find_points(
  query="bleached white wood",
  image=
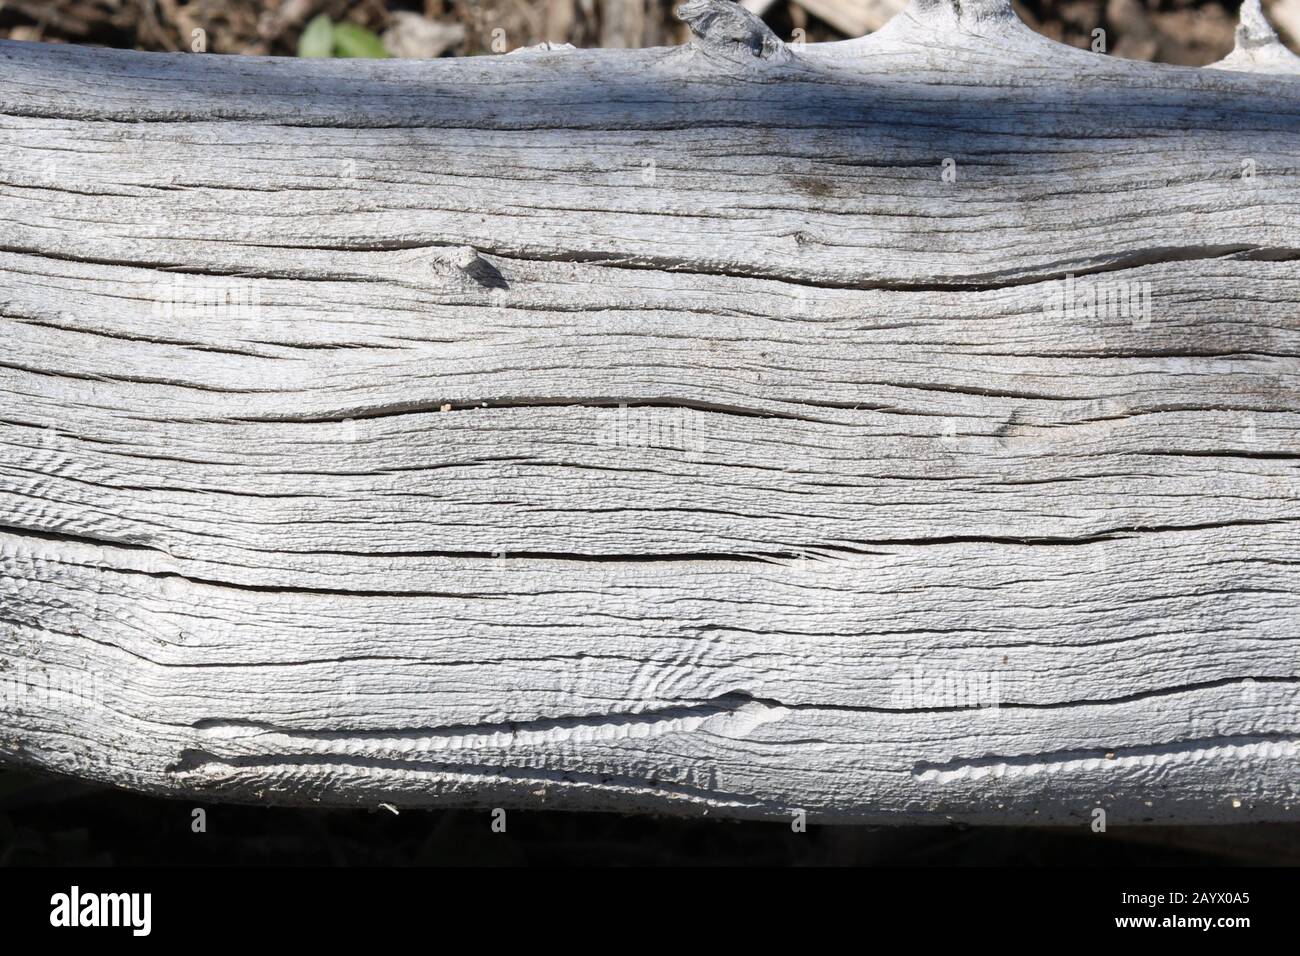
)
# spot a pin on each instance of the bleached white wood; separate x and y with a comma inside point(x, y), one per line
point(695, 429)
point(1258, 47)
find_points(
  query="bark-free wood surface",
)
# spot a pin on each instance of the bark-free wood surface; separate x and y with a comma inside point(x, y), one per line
point(716, 429)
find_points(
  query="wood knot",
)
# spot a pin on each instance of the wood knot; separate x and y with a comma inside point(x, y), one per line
point(467, 261)
point(722, 26)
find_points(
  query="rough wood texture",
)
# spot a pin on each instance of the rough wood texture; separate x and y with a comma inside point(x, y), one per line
point(715, 429)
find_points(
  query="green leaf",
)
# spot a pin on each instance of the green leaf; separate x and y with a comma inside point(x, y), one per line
point(352, 40)
point(318, 38)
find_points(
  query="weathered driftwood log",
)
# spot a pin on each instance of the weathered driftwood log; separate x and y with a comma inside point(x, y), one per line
point(898, 429)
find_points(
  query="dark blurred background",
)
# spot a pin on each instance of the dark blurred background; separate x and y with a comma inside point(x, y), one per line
point(1188, 32)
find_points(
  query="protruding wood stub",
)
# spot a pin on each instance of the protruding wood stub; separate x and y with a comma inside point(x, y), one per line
point(467, 261)
point(722, 26)
point(1254, 30)
point(967, 13)
point(1258, 49)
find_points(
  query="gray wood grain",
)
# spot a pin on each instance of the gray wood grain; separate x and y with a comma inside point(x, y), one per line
point(900, 430)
